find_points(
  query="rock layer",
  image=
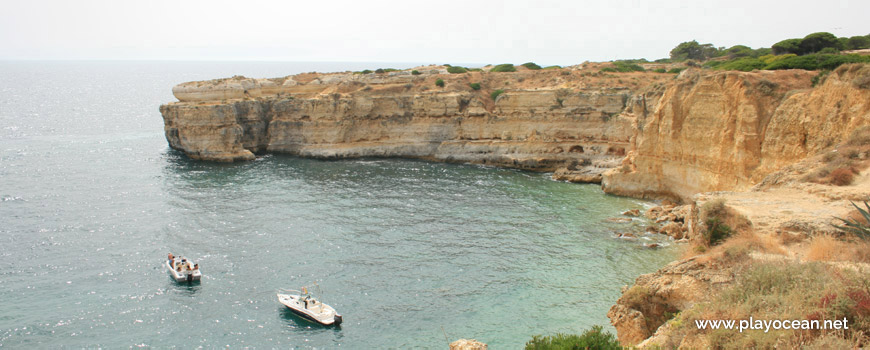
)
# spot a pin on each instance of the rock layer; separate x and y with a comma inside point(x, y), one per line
point(727, 131)
point(557, 124)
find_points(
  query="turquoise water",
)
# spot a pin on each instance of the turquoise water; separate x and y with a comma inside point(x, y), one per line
point(92, 200)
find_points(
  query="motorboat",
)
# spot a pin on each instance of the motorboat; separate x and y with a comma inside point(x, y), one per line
point(183, 269)
point(309, 308)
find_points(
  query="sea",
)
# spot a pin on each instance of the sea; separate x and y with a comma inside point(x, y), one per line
point(413, 254)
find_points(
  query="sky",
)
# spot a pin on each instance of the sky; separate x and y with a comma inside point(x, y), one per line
point(442, 31)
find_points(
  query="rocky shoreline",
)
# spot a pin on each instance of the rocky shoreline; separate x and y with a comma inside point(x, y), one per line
point(754, 141)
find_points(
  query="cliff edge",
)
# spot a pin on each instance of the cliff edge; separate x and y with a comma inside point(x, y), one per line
point(565, 120)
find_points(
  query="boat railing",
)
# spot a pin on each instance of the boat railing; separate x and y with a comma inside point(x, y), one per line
point(289, 291)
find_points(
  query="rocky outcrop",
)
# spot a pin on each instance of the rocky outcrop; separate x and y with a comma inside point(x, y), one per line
point(544, 121)
point(467, 344)
point(728, 130)
point(656, 297)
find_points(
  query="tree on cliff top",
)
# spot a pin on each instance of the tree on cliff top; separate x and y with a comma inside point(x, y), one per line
point(691, 50)
point(787, 46)
point(811, 43)
point(815, 42)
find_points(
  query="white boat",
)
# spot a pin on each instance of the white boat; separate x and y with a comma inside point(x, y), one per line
point(182, 270)
point(312, 309)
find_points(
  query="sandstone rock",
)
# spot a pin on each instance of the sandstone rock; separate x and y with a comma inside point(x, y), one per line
point(630, 324)
point(654, 213)
point(466, 344)
point(633, 212)
point(728, 130)
point(673, 229)
point(344, 115)
point(646, 305)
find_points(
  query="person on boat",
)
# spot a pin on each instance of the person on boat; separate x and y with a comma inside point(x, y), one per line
point(195, 267)
point(171, 257)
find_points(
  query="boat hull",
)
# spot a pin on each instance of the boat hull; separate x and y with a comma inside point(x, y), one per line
point(327, 318)
point(183, 276)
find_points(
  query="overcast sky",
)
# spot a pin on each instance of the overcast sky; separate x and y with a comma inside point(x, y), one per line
point(440, 31)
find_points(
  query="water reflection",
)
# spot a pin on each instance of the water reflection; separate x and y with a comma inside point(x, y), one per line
point(188, 289)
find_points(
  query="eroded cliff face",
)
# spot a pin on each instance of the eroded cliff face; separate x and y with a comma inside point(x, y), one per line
point(728, 130)
point(544, 120)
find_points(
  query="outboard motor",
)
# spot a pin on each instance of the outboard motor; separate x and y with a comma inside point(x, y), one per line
point(337, 319)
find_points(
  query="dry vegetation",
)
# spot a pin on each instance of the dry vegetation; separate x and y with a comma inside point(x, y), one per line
point(785, 291)
point(841, 165)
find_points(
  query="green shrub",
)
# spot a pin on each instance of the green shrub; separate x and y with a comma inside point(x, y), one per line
point(712, 214)
point(531, 65)
point(608, 70)
point(856, 227)
point(660, 70)
point(475, 70)
point(553, 67)
point(716, 231)
point(380, 71)
point(816, 62)
point(367, 71)
point(713, 64)
point(507, 67)
point(496, 93)
point(475, 86)
point(415, 72)
point(439, 82)
point(676, 70)
point(773, 58)
point(627, 66)
point(745, 64)
point(594, 338)
point(762, 52)
point(456, 70)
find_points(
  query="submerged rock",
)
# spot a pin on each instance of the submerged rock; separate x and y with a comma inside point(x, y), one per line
point(467, 344)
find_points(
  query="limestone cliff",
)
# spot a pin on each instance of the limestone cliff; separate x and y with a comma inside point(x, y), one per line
point(728, 130)
point(543, 121)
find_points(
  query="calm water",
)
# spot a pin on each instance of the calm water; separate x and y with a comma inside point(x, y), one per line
point(92, 200)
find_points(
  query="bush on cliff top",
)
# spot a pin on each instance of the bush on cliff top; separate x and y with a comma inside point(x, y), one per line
point(474, 86)
point(594, 338)
point(816, 62)
point(531, 65)
point(439, 82)
point(507, 67)
point(745, 64)
point(456, 70)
